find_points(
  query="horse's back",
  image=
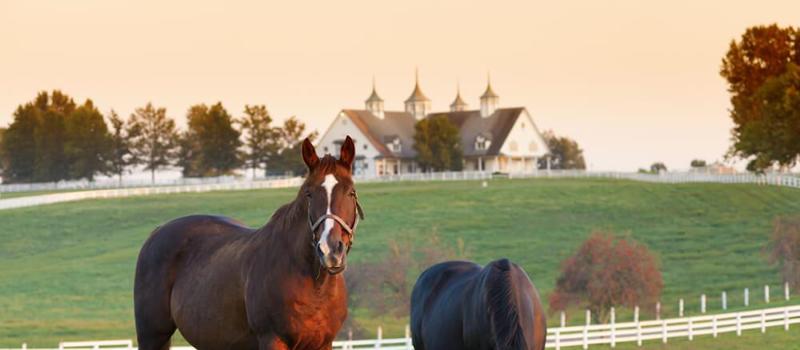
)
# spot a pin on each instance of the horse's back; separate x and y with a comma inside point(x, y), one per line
point(170, 250)
point(435, 303)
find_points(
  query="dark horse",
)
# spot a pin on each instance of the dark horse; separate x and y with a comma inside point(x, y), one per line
point(227, 286)
point(461, 305)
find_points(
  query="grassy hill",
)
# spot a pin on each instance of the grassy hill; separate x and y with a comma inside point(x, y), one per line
point(66, 270)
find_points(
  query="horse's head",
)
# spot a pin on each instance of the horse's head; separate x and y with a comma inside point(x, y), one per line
point(333, 209)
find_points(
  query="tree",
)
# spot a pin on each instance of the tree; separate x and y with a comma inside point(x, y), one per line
point(289, 158)
point(564, 153)
point(2, 156)
point(658, 167)
point(261, 139)
point(210, 145)
point(35, 139)
point(19, 146)
point(698, 163)
point(120, 155)
point(438, 144)
point(607, 271)
point(784, 248)
point(87, 142)
point(153, 138)
point(762, 53)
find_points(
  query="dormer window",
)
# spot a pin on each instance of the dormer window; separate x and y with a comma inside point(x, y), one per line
point(394, 145)
point(482, 143)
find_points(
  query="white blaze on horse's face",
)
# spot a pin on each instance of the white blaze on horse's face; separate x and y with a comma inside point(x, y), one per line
point(328, 184)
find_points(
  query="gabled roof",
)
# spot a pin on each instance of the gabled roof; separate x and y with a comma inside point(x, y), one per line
point(393, 125)
point(401, 125)
point(495, 127)
point(374, 96)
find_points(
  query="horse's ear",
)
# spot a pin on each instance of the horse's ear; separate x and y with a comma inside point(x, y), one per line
point(348, 152)
point(309, 154)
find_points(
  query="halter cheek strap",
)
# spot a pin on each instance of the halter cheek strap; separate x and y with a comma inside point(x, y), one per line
point(313, 225)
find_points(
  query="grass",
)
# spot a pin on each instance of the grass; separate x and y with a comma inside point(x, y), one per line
point(66, 270)
point(774, 338)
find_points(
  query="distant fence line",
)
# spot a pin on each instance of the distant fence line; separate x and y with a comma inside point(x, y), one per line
point(233, 184)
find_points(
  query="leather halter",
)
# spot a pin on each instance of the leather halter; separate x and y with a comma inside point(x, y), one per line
point(313, 225)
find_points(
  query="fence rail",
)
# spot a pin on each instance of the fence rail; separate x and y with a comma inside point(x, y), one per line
point(580, 336)
point(232, 184)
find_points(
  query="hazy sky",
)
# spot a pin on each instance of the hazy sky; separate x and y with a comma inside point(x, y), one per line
point(632, 81)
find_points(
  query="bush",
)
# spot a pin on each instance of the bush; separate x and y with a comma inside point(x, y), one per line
point(384, 287)
point(607, 271)
point(784, 248)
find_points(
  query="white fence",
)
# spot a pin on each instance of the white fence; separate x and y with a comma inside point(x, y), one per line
point(584, 336)
point(232, 184)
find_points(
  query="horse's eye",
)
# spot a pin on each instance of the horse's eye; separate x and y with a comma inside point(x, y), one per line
point(308, 194)
point(352, 193)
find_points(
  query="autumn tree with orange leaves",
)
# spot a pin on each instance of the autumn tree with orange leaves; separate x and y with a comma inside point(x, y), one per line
point(607, 271)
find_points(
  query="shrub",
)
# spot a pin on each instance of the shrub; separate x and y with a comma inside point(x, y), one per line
point(784, 248)
point(607, 271)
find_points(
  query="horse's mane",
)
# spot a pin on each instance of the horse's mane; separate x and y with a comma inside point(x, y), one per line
point(503, 312)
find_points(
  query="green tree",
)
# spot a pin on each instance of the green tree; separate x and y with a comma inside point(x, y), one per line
point(19, 146)
point(120, 156)
point(698, 163)
point(761, 54)
point(87, 142)
point(261, 139)
point(211, 143)
point(289, 158)
point(438, 144)
point(658, 167)
point(50, 136)
point(153, 138)
point(565, 153)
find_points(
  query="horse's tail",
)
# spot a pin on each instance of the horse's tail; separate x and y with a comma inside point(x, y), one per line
point(503, 312)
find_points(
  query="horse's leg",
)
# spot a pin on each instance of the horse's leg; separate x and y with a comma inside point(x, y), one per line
point(271, 342)
point(154, 323)
point(154, 328)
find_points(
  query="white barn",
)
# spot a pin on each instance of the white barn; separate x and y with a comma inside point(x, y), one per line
point(494, 139)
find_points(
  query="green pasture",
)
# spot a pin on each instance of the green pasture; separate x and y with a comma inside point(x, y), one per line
point(66, 270)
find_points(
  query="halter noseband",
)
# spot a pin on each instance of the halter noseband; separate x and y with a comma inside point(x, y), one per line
point(313, 225)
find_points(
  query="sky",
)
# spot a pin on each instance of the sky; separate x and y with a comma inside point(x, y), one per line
point(633, 82)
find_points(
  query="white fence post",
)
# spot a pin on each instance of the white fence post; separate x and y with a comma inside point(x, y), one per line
point(613, 328)
point(409, 346)
point(703, 304)
point(380, 337)
point(746, 297)
point(664, 331)
point(586, 329)
point(766, 293)
point(638, 326)
point(563, 319)
point(763, 321)
point(738, 324)
point(714, 325)
point(680, 307)
point(691, 334)
point(724, 300)
point(658, 310)
point(786, 291)
point(786, 319)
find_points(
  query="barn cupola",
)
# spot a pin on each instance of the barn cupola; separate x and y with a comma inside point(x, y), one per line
point(417, 104)
point(374, 103)
point(489, 100)
point(458, 104)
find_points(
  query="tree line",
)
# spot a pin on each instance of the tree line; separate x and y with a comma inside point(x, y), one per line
point(51, 138)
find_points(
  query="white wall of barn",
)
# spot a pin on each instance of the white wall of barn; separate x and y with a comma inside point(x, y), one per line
point(341, 127)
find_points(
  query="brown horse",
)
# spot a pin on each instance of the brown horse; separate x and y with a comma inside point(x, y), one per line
point(227, 286)
point(461, 305)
